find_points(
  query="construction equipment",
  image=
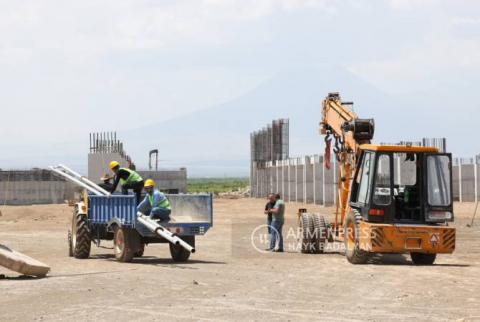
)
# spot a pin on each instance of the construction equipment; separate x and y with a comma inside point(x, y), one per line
point(99, 215)
point(391, 198)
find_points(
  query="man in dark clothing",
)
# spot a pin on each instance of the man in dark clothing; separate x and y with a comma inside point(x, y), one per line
point(128, 179)
point(268, 207)
point(106, 182)
point(278, 219)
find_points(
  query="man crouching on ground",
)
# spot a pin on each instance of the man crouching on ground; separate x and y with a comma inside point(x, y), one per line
point(156, 204)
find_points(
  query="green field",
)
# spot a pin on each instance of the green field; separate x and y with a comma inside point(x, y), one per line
point(216, 185)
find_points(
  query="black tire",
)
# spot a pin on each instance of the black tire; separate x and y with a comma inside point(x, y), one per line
point(423, 259)
point(354, 254)
point(180, 254)
point(319, 233)
point(126, 242)
point(69, 240)
point(307, 242)
point(139, 253)
point(81, 239)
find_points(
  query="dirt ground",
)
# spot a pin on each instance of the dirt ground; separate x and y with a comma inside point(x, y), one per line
point(228, 279)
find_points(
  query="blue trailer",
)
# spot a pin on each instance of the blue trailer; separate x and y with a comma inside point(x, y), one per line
point(100, 216)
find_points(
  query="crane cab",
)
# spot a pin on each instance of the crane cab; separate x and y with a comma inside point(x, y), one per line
point(402, 201)
point(403, 185)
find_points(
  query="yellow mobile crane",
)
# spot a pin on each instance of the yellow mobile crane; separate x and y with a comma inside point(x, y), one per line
point(391, 198)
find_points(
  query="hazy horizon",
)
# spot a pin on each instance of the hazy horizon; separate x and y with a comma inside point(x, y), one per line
point(70, 68)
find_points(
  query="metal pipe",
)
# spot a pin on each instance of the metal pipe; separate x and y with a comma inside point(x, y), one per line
point(163, 232)
point(75, 180)
point(85, 180)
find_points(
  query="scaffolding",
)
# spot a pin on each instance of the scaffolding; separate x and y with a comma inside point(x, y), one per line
point(271, 143)
point(107, 142)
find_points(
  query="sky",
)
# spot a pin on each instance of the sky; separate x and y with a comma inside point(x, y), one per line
point(71, 67)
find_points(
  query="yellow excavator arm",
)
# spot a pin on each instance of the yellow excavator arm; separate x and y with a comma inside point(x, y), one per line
point(340, 123)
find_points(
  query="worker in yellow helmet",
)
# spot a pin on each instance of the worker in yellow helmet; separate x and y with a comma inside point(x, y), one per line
point(156, 204)
point(128, 179)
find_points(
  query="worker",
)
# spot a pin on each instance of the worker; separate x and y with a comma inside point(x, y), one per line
point(278, 213)
point(268, 207)
point(106, 182)
point(128, 179)
point(156, 204)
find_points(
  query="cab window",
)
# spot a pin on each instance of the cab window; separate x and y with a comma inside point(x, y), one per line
point(438, 173)
point(363, 178)
point(382, 192)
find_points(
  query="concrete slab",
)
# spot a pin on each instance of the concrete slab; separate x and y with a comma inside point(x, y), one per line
point(21, 263)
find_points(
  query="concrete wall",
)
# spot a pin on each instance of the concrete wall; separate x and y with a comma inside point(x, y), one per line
point(297, 179)
point(307, 180)
point(466, 182)
point(33, 187)
point(174, 181)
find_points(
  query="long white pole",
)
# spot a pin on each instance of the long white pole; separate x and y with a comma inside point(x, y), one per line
point(314, 174)
point(460, 190)
point(323, 181)
point(475, 172)
point(75, 180)
point(85, 179)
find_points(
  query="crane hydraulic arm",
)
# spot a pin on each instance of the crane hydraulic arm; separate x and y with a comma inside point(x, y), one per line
point(340, 122)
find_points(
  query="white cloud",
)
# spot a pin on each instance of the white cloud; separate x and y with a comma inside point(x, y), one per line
point(411, 4)
point(422, 68)
point(104, 25)
point(460, 21)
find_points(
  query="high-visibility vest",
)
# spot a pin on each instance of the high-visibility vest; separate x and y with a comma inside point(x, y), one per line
point(132, 178)
point(165, 203)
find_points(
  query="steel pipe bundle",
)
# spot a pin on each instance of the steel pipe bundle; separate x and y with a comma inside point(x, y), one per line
point(77, 178)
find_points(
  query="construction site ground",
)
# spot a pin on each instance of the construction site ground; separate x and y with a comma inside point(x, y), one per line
point(228, 279)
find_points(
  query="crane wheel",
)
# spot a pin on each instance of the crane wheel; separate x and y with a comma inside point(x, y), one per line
point(307, 230)
point(354, 254)
point(180, 254)
point(319, 234)
point(126, 242)
point(80, 240)
point(423, 259)
point(139, 253)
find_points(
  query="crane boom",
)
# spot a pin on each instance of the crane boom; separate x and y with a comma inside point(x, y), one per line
point(340, 122)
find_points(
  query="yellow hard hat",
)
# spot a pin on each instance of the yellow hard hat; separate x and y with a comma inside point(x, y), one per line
point(149, 183)
point(114, 164)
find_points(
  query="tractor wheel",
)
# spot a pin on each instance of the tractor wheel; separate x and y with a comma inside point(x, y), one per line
point(320, 233)
point(354, 254)
point(180, 254)
point(423, 259)
point(69, 240)
point(139, 253)
point(307, 242)
point(126, 242)
point(81, 240)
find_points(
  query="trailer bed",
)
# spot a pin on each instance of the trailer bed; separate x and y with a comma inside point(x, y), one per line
point(192, 214)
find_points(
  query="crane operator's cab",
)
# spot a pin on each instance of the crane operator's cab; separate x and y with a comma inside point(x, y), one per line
point(402, 201)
